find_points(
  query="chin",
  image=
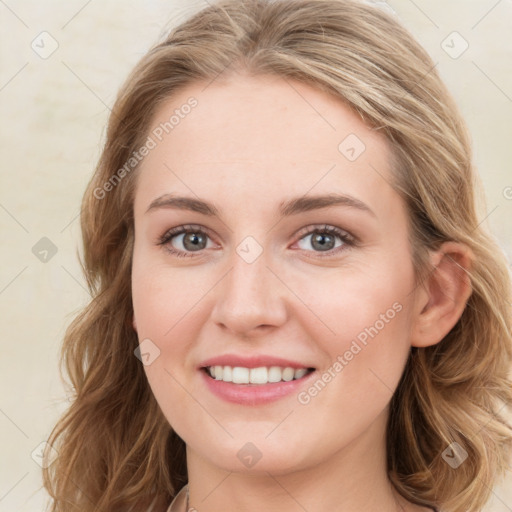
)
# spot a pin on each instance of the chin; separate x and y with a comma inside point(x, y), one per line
point(257, 458)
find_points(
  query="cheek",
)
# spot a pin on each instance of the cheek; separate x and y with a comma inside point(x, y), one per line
point(365, 359)
point(353, 303)
point(164, 299)
point(163, 303)
point(362, 322)
point(168, 308)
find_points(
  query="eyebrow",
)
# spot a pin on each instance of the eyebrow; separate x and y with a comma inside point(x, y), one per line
point(287, 208)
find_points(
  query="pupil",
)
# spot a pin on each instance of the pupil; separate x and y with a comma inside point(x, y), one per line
point(320, 239)
point(194, 239)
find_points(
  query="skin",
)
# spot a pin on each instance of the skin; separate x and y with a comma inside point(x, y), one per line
point(251, 143)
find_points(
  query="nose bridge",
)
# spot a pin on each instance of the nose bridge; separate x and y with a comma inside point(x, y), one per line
point(249, 295)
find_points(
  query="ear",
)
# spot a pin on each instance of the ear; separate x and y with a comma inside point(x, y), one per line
point(443, 295)
point(134, 323)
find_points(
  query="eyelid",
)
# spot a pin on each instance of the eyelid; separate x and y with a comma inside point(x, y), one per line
point(347, 238)
point(308, 230)
point(181, 229)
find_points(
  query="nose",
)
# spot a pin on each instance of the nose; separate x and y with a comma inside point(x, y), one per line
point(250, 298)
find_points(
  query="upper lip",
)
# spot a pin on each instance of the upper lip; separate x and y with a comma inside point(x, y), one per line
point(255, 361)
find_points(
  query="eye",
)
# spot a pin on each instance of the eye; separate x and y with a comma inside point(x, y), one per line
point(194, 239)
point(191, 238)
point(323, 240)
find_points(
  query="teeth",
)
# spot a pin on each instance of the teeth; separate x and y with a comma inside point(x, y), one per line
point(258, 376)
point(227, 374)
point(274, 374)
point(240, 375)
point(261, 375)
point(300, 373)
point(288, 374)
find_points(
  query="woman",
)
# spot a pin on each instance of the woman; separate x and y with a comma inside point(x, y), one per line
point(294, 305)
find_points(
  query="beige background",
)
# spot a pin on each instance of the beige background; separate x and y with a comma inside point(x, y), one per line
point(53, 113)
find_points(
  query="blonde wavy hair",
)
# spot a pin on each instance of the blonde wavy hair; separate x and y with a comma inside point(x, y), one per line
point(116, 449)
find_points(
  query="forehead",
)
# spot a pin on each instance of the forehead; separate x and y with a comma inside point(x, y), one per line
point(264, 136)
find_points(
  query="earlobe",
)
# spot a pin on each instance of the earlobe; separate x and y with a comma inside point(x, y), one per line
point(444, 294)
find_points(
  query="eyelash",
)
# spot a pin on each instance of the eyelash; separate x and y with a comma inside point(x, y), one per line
point(347, 239)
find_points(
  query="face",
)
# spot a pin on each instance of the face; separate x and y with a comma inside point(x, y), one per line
point(250, 269)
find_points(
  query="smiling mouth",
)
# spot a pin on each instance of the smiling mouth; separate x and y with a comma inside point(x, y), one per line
point(256, 376)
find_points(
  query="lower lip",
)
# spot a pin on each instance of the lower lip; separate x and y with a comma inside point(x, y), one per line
point(253, 394)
